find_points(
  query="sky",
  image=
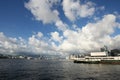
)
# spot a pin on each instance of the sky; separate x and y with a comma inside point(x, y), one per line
point(58, 27)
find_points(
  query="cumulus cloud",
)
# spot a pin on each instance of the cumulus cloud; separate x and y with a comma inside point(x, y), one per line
point(66, 39)
point(42, 11)
point(106, 26)
point(92, 36)
point(102, 8)
point(36, 44)
point(73, 9)
point(10, 45)
point(41, 45)
point(45, 11)
point(61, 26)
point(56, 37)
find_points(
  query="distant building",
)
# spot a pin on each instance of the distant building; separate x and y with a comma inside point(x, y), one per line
point(29, 58)
point(21, 57)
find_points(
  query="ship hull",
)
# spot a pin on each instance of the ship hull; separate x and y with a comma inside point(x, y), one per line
point(110, 62)
point(99, 62)
point(87, 62)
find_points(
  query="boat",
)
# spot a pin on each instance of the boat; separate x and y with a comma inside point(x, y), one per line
point(102, 57)
point(98, 60)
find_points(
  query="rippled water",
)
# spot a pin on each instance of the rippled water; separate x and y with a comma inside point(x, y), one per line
point(14, 69)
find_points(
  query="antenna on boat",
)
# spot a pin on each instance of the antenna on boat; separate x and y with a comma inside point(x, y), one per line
point(106, 50)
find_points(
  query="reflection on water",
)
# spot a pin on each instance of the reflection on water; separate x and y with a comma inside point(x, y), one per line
point(14, 69)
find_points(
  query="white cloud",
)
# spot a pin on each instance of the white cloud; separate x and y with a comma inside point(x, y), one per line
point(42, 11)
point(36, 44)
point(10, 45)
point(115, 42)
point(91, 37)
point(40, 34)
point(40, 45)
point(61, 26)
point(73, 9)
point(88, 38)
point(56, 37)
point(102, 8)
point(45, 11)
point(102, 27)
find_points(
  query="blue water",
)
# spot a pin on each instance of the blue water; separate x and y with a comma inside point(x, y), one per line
point(15, 69)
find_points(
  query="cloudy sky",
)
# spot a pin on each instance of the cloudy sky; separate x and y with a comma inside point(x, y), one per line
point(58, 27)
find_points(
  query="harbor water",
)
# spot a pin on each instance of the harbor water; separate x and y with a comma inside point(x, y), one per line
point(16, 69)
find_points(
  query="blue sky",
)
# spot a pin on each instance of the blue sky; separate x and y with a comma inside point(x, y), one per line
point(57, 21)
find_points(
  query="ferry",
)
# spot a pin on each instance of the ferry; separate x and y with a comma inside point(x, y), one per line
point(98, 60)
point(102, 57)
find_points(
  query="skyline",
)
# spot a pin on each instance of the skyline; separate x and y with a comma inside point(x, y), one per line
point(58, 27)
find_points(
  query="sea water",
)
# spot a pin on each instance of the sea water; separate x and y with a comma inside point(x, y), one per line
point(20, 69)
